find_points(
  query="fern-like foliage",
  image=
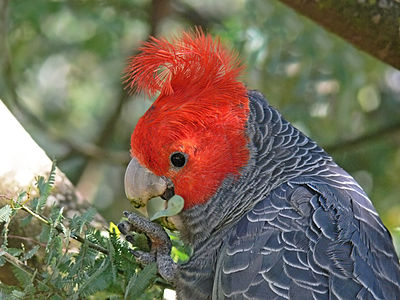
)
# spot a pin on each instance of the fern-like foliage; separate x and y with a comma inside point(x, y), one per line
point(45, 187)
point(80, 262)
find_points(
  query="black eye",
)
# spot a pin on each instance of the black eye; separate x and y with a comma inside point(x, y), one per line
point(178, 159)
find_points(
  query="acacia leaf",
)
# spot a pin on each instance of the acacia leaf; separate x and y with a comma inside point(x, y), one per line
point(156, 207)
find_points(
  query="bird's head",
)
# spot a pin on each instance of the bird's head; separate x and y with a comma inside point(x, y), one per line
point(194, 134)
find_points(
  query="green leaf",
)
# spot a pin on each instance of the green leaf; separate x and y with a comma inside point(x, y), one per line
point(45, 187)
point(2, 261)
point(56, 215)
point(26, 220)
point(23, 277)
point(14, 251)
point(29, 289)
point(30, 253)
point(53, 249)
point(6, 290)
point(138, 283)
point(18, 294)
point(156, 207)
point(5, 213)
point(21, 197)
point(78, 223)
point(89, 215)
point(178, 255)
point(44, 234)
point(111, 254)
point(54, 242)
point(44, 193)
point(98, 280)
point(141, 241)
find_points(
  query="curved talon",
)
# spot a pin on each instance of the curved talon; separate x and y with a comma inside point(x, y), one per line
point(130, 238)
point(124, 227)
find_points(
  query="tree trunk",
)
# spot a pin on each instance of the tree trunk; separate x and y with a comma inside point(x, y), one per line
point(371, 25)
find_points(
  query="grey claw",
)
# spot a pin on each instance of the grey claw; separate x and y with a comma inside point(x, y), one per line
point(124, 227)
point(130, 239)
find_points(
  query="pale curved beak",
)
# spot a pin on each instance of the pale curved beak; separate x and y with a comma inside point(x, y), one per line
point(141, 184)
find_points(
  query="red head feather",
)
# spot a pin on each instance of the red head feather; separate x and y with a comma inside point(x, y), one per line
point(202, 111)
point(165, 67)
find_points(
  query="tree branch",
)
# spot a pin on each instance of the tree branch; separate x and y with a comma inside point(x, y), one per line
point(19, 264)
point(194, 17)
point(372, 26)
point(363, 139)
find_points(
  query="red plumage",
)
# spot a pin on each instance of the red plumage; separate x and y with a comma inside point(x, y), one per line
point(194, 59)
point(201, 110)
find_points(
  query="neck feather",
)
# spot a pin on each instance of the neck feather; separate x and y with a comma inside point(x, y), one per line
point(278, 153)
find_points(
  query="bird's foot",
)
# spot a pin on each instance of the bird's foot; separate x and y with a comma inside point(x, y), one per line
point(160, 244)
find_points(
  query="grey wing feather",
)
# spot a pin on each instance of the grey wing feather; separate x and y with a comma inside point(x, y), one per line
point(308, 241)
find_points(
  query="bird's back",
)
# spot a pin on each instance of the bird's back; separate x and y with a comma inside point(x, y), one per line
point(313, 236)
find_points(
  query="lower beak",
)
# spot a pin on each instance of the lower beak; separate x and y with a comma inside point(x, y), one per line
point(141, 184)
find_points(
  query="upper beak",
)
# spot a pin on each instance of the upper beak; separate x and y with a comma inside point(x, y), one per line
point(141, 184)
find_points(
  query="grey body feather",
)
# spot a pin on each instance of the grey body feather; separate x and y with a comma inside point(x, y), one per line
point(293, 226)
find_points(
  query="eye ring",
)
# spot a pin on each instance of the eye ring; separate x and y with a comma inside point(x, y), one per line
point(178, 159)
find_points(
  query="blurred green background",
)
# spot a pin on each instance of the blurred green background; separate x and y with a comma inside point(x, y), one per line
point(62, 61)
